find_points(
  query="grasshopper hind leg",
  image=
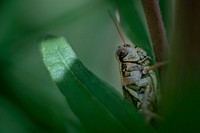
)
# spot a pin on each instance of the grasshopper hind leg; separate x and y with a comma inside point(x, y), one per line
point(129, 97)
point(147, 107)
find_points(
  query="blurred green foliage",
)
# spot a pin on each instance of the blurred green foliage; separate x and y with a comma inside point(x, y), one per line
point(31, 102)
point(24, 80)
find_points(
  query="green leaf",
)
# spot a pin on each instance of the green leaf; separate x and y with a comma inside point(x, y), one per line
point(13, 119)
point(167, 11)
point(37, 95)
point(134, 24)
point(97, 105)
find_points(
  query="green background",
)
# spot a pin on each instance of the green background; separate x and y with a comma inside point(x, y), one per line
point(31, 102)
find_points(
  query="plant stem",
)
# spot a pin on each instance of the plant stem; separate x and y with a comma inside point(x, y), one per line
point(156, 29)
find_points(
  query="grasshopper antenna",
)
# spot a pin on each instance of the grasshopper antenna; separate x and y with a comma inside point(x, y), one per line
point(118, 28)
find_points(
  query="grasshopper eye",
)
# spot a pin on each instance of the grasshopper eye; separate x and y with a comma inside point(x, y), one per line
point(121, 52)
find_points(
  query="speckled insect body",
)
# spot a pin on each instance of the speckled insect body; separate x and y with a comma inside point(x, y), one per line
point(139, 82)
point(139, 85)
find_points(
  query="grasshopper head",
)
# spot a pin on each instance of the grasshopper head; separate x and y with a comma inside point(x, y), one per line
point(127, 53)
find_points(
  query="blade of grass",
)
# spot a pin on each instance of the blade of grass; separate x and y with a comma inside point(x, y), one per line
point(167, 13)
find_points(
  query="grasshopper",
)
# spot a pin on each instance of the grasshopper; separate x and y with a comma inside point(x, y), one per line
point(139, 85)
point(138, 79)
